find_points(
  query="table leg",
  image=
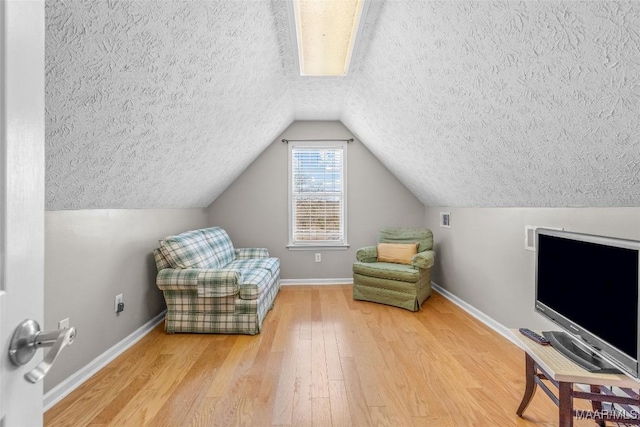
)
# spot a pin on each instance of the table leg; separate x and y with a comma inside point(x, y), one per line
point(565, 404)
point(530, 385)
point(597, 405)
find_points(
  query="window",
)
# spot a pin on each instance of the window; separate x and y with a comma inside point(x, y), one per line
point(317, 202)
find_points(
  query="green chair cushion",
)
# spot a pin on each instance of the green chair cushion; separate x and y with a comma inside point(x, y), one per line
point(424, 236)
point(387, 270)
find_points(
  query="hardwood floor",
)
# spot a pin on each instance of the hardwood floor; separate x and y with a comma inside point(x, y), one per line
point(322, 360)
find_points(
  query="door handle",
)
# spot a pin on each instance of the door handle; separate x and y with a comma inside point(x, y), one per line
point(27, 339)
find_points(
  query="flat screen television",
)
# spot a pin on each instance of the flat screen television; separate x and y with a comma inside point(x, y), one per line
point(588, 285)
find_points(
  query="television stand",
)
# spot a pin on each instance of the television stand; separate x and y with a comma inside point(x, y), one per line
point(546, 367)
point(579, 353)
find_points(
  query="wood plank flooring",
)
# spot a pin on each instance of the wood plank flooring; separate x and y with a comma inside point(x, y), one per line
point(321, 360)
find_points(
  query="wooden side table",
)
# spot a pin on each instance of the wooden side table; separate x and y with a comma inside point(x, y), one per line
point(545, 363)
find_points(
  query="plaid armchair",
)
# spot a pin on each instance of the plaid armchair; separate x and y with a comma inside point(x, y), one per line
point(211, 287)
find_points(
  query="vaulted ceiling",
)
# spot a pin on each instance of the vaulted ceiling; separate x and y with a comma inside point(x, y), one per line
point(162, 104)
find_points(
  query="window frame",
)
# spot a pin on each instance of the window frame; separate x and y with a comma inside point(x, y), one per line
point(317, 244)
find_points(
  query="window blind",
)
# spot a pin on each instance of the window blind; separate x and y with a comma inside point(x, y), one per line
point(317, 195)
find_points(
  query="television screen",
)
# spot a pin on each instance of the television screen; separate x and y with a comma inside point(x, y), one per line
point(592, 285)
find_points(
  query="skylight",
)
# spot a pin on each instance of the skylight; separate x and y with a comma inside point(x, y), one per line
point(326, 33)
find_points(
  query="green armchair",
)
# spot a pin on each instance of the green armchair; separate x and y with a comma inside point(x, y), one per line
point(402, 285)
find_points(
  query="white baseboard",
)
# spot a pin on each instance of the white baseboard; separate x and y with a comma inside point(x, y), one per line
point(74, 381)
point(487, 320)
point(347, 281)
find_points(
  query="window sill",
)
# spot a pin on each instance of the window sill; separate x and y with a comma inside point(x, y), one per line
point(318, 247)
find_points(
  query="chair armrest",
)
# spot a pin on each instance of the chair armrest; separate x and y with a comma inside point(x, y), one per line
point(171, 279)
point(423, 259)
point(219, 282)
point(207, 282)
point(249, 253)
point(367, 254)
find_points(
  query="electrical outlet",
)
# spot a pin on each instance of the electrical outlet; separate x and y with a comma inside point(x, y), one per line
point(318, 257)
point(63, 324)
point(118, 301)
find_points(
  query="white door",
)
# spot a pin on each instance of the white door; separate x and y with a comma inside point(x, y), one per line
point(21, 199)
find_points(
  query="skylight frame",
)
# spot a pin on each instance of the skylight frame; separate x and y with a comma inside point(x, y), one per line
point(296, 38)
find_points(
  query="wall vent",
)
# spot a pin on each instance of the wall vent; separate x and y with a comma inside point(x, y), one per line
point(445, 219)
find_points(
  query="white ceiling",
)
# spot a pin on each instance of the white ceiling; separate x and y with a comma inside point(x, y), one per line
point(161, 104)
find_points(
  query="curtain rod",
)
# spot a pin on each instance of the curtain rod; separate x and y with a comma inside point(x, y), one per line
point(286, 141)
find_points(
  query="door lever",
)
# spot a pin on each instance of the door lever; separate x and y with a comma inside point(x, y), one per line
point(27, 339)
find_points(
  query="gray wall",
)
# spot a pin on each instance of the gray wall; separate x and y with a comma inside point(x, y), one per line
point(90, 257)
point(254, 209)
point(482, 260)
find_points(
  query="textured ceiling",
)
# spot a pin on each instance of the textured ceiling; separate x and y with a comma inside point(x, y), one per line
point(158, 104)
point(505, 103)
